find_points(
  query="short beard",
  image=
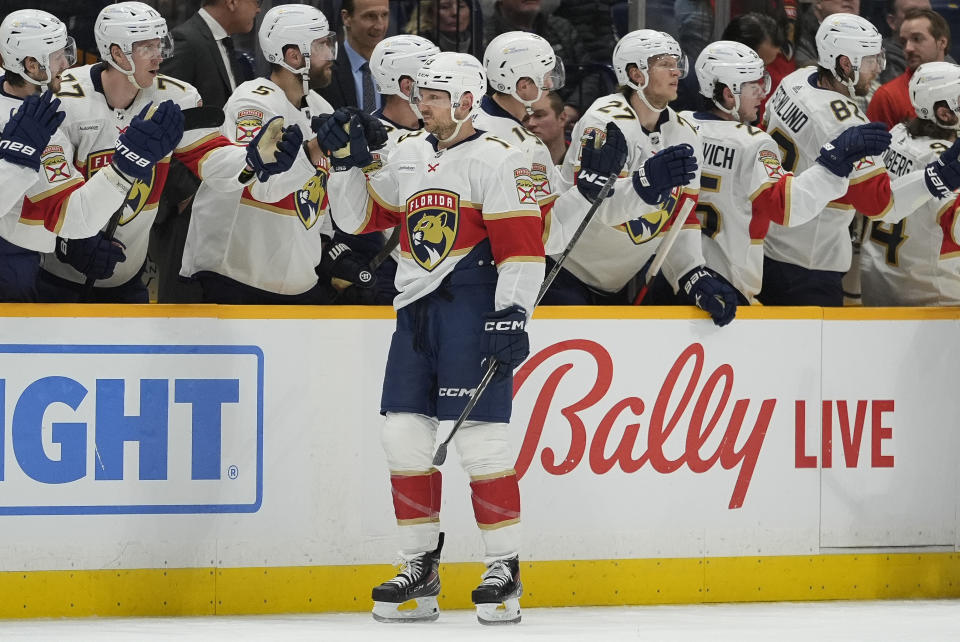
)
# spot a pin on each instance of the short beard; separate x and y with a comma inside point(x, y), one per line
point(321, 78)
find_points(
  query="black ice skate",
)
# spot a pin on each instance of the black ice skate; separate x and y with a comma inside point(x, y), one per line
point(498, 596)
point(418, 581)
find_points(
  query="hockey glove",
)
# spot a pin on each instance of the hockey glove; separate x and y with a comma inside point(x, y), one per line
point(853, 144)
point(274, 149)
point(151, 135)
point(505, 339)
point(340, 262)
point(356, 153)
point(673, 167)
point(29, 129)
point(373, 129)
point(598, 163)
point(95, 257)
point(330, 131)
point(703, 288)
point(942, 176)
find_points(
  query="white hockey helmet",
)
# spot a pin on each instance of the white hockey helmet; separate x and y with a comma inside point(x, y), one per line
point(455, 73)
point(297, 25)
point(732, 64)
point(931, 83)
point(517, 54)
point(396, 57)
point(844, 34)
point(30, 33)
point(126, 23)
point(637, 48)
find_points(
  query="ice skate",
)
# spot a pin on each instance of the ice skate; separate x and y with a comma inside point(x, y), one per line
point(411, 596)
point(498, 596)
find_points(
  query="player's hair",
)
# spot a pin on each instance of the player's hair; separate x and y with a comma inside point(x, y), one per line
point(938, 26)
point(922, 127)
point(823, 72)
point(556, 102)
point(15, 79)
point(752, 29)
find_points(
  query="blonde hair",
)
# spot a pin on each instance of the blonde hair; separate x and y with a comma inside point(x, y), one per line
point(428, 11)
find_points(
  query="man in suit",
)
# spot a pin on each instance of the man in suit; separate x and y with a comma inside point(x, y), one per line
point(204, 56)
point(365, 24)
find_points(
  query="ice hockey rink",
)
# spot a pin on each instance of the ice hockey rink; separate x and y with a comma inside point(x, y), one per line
point(914, 621)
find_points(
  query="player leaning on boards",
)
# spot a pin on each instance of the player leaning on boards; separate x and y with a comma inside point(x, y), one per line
point(54, 199)
point(520, 67)
point(471, 264)
point(232, 242)
point(916, 260)
point(662, 172)
point(805, 264)
point(743, 186)
point(104, 98)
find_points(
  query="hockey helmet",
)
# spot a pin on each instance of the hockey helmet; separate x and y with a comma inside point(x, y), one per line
point(35, 34)
point(454, 73)
point(126, 23)
point(301, 26)
point(396, 57)
point(734, 65)
point(517, 54)
point(638, 47)
point(844, 34)
point(931, 83)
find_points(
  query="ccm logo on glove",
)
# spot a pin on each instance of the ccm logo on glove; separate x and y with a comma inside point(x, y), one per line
point(503, 326)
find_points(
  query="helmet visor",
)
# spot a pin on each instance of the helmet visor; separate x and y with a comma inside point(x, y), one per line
point(433, 97)
point(158, 47)
point(555, 78)
point(324, 48)
point(63, 58)
point(670, 62)
point(759, 88)
point(878, 59)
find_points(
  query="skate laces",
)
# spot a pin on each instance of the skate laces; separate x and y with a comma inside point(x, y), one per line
point(497, 574)
point(410, 569)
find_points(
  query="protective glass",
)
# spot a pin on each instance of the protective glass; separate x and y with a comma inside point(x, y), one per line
point(158, 47)
point(554, 78)
point(759, 88)
point(671, 63)
point(63, 58)
point(324, 48)
point(879, 59)
point(439, 100)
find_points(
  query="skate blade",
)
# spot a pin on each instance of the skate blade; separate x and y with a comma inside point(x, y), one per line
point(421, 609)
point(507, 612)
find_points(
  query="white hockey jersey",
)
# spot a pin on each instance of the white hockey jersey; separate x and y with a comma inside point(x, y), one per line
point(627, 231)
point(448, 201)
point(913, 260)
point(39, 206)
point(743, 189)
point(801, 117)
point(562, 208)
point(92, 126)
point(266, 235)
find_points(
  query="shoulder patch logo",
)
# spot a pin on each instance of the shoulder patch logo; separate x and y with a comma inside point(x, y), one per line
point(249, 122)
point(771, 163)
point(541, 179)
point(526, 189)
point(433, 220)
point(55, 164)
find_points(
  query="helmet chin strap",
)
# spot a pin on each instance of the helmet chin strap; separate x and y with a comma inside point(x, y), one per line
point(456, 130)
point(643, 97)
point(735, 112)
point(851, 85)
point(528, 104)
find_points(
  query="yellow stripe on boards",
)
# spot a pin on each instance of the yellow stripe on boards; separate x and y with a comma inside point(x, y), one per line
point(316, 589)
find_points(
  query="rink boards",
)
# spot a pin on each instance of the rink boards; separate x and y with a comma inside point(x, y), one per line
point(202, 459)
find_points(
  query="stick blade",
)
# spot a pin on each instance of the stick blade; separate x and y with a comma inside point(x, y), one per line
point(440, 456)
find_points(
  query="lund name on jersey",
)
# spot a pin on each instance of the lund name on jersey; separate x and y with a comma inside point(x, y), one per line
point(791, 115)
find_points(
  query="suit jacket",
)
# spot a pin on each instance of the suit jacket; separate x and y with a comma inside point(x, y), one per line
point(197, 60)
point(342, 91)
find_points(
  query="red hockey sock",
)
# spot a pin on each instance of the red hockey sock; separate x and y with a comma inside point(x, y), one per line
point(496, 500)
point(416, 496)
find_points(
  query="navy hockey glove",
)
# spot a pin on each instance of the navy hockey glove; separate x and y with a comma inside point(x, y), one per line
point(340, 262)
point(673, 167)
point(505, 339)
point(356, 153)
point(274, 151)
point(853, 144)
point(597, 164)
point(373, 130)
point(95, 257)
point(147, 139)
point(942, 176)
point(330, 132)
point(29, 129)
point(704, 289)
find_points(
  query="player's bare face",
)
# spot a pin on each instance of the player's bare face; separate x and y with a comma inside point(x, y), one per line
point(664, 80)
point(51, 76)
point(434, 106)
point(147, 56)
point(751, 95)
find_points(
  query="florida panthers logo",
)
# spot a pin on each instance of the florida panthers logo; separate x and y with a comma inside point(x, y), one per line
point(249, 122)
point(433, 218)
point(137, 197)
point(311, 199)
point(55, 164)
point(649, 226)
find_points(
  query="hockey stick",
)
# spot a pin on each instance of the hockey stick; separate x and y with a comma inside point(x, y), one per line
point(441, 455)
point(202, 117)
point(342, 284)
point(661, 255)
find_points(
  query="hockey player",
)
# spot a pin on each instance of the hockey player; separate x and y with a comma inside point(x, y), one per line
point(520, 67)
point(916, 260)
point(55, 199)
point(470, 266)
point(101, 100)
point(232, 241)
point(805, 264)
point(743, 186)
point(393, 64)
